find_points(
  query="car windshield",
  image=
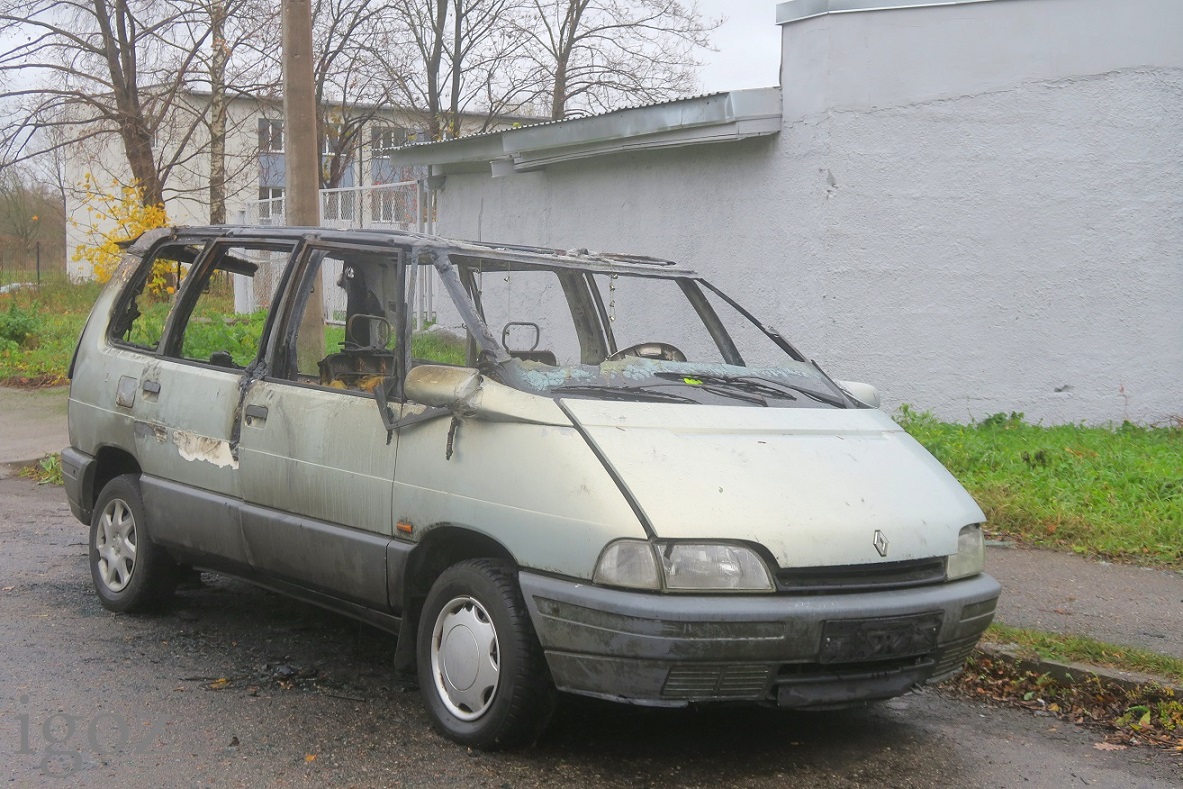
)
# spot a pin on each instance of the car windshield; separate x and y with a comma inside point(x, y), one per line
point(625, 332)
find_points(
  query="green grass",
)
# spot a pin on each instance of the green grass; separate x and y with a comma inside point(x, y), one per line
point(213, 329)
point(438, 348)
point(47, 471)
point(48, 321)
point(1116, 493)
point(1080, 649)
point(39, 329)
point(425, 346)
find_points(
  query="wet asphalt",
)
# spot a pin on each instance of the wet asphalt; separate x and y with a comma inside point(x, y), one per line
point(237, 687)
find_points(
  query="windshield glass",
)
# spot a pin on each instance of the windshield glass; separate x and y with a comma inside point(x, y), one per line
point(623, 334)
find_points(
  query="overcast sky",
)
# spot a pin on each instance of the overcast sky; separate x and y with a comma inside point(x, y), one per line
point(748, 44)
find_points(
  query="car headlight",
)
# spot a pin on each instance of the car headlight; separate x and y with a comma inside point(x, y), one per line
point(683, 567)
point(971, 554)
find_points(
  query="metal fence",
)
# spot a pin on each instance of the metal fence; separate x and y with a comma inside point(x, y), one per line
point(406, 206)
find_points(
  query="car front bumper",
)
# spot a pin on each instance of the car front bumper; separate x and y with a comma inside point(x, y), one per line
point(671, 650)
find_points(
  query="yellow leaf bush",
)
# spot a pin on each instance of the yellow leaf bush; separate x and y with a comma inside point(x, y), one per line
point(116, 213)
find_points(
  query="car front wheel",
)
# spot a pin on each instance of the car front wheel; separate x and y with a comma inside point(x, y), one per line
point(481, 670)
point(130, 573)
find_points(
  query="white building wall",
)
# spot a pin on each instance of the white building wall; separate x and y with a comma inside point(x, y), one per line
point(977, 207)
point(186, 191)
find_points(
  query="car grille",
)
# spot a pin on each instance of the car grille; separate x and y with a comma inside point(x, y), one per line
point(717, 681)
point(861, 577)
point(952, 657)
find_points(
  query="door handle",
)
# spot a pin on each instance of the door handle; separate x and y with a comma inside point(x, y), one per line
point(254, 412)
point(151, 387)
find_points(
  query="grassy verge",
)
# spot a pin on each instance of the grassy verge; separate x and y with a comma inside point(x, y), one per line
point(1079, 649)
point(1110, 492)
point(39, 328)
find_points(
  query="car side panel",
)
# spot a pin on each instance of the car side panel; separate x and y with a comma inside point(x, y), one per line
point(536, 489)
point(317, 476)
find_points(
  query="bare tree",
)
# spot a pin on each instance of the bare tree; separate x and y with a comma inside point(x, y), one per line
point(469, 60)
point(31, 215)
point(592, 55)
point(357, 62)
point(242, 60)
point(107, 67)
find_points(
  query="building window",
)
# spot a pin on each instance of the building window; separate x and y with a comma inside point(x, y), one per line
point(331, 144)
point(271, 202)
point(385, 139)
point(270, 136)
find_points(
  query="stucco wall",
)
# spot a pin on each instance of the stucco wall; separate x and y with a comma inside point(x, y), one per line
point(978, 207)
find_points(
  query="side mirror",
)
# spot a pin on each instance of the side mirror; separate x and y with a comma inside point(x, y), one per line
point(439, 386)
point(864, 393)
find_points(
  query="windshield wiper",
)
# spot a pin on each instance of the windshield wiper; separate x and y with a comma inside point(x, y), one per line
point(622, 393)
point(754, 385)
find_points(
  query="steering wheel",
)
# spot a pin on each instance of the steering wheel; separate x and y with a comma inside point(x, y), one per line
point(649, 350)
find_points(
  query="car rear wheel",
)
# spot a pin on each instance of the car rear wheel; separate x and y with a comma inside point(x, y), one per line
point(481, 671)
point(130, 572)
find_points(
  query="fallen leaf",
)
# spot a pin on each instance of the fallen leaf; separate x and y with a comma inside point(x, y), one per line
point(311, 757)
point(219, 683)
point(1108, 746)
point(7, 588)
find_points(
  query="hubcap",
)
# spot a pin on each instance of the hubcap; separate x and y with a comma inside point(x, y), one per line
point(465, 660)
point(115, 543)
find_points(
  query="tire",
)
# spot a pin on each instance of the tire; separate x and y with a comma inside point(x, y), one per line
point(130, 572)
point(475, 632)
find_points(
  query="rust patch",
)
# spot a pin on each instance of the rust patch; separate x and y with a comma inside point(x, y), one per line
point(149, 430)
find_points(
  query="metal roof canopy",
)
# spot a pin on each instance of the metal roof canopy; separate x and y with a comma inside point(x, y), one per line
point(798, 10)
point(717, 117)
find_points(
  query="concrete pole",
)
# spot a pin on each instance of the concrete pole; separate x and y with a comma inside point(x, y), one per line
point(302, 163)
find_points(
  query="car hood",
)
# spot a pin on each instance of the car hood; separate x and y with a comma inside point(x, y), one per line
point(810, 484)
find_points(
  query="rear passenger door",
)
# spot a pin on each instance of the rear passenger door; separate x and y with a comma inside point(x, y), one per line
point(184, 397)
point(317, 467)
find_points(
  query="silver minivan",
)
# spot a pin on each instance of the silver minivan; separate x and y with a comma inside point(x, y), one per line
point(542, 470)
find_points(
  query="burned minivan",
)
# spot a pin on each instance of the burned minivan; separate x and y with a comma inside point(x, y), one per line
point(579, 472)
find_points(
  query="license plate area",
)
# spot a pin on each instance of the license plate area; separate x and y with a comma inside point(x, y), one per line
point(881, 638)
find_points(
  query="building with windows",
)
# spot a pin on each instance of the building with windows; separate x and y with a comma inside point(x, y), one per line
point(356, 158)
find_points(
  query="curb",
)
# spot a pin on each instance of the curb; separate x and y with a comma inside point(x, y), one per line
point(1068, 673)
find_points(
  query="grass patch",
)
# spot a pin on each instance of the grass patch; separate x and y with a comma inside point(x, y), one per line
point(1110, 492)
point(425, 346)
point(439, 347)
point(39, 328)
point(1080, 649)
point(47, 471)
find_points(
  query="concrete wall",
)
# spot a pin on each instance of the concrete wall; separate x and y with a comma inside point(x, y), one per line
point(977, 207)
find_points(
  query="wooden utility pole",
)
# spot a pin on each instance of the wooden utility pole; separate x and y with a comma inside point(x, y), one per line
point(302, 162)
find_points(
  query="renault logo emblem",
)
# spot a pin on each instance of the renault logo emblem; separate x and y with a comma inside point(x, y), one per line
point(880, 543)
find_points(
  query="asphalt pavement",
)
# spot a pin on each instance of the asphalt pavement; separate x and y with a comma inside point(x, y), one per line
point(1042, 590)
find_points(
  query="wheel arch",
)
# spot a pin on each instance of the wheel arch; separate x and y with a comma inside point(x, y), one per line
point(440, 548)
point(110, 462)
point(443, 546)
